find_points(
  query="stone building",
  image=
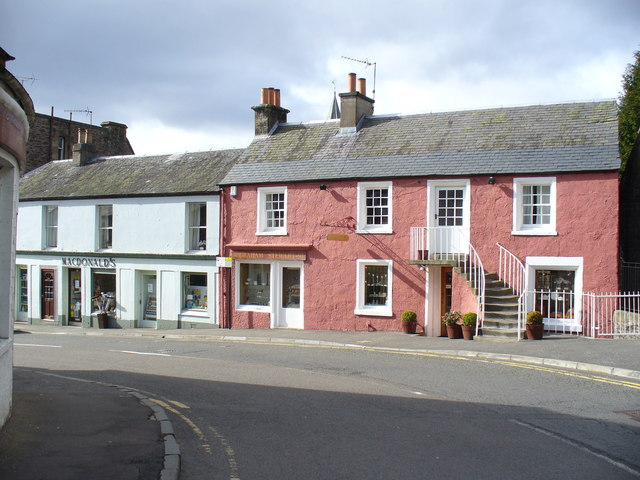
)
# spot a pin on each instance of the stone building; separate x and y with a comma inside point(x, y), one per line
point(52, 138)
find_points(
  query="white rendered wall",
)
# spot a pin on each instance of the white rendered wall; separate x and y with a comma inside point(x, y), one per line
point(140, 225)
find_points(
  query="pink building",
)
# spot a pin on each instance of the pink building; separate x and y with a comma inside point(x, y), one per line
point(345, 224)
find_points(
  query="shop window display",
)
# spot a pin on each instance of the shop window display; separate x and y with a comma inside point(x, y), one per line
point(255, 282)
point(195, 291)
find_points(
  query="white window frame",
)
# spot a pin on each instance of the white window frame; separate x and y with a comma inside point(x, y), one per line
point(362, 226)
point(377, 310)
point(194, 230)
point(50, 234)
point(262, 228)
point(519, 228)
point(250, 307)
point(100, 228)
point(557, 263)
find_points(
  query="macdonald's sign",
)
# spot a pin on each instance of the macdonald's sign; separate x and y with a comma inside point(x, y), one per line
point(89, 262)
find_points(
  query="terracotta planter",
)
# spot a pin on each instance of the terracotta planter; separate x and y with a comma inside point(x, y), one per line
point(454, 331)
point(409, 327)
point(534, 332)
point(103, 320)
point(468, 331)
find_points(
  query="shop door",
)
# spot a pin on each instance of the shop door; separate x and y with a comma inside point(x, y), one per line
point(289, 312)
point(48, 294)
point(75, 295)
point(446, 277)
point(149, 300)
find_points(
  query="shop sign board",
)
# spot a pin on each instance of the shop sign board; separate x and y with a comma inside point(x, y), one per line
point(89, 262)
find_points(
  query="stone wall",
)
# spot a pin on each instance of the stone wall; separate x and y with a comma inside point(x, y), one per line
point(110, 138)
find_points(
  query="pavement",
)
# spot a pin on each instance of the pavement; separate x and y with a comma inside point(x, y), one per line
point(64, 428)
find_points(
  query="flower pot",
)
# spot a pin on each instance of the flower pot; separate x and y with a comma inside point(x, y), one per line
point(103, 320)
point(454, 331)
point(468, 331)
point(534, 332)
point(409, 327)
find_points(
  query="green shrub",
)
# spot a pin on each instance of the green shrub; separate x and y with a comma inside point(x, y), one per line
point(534, 318)
point(469, 319)
point(409, 316)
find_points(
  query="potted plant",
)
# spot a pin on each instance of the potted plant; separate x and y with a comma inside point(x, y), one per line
point(409, 320)
point(535, 325)
point(469, 325)
point(452, 322)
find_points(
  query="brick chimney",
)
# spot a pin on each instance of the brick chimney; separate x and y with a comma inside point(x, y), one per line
point(269, 113)
point(84, 150)
point(354, 105)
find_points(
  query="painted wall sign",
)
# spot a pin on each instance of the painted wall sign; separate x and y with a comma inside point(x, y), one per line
point(298, 256)
point(89, 262)
point(338, 237)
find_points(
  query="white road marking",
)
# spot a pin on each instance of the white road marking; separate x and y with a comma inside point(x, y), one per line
point(141, 353)
point(36, 345)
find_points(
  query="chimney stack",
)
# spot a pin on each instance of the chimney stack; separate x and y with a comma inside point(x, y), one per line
point(84, 150)
point(269, 113)
point(354, 105)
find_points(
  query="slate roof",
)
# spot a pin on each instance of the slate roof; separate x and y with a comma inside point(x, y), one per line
point(122, 176)
point(567, 137)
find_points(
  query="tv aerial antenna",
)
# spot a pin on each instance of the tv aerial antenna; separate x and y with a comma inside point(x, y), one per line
point(30, 79)
point(86, 111)
point(366, 63)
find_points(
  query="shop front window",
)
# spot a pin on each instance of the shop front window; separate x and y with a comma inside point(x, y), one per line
point(103, 286)
point(255, 284)
point(75, 295)
point(195, 291)
point(554, 293)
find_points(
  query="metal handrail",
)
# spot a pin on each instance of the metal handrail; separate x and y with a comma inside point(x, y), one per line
point(512, 273)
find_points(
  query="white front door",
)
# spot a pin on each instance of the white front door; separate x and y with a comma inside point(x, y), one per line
point(149, 300)
point(448, 215)
point(288, 302)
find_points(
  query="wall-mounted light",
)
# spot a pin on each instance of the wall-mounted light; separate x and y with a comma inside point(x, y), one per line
point(323, 186)
point(492, 180)
point(233, 191)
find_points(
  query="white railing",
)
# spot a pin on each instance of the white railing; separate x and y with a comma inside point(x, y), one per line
point(512, 273)
point(559, 309)
point(450, 245)
point(611, 315)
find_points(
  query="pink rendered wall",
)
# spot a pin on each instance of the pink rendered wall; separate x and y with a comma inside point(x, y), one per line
point(462, 297)
point(587, 226)
point(330, 268)
point(586, 222)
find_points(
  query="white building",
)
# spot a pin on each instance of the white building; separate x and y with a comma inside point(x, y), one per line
point(16, 109)
point(133, 237)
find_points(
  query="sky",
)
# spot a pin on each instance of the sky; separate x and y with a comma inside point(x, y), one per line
point(184, 74)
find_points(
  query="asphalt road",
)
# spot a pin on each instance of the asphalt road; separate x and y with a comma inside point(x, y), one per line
point(245, 411)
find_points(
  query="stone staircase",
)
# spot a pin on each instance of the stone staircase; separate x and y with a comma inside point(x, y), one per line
point(500, 310)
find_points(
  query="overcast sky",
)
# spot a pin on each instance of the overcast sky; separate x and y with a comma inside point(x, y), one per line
point(183, 74)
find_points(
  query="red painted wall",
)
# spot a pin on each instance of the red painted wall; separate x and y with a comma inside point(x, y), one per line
point(587, 226)
point(586, 222)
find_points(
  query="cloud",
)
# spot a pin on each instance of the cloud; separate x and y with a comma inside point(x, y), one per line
point(193, 69)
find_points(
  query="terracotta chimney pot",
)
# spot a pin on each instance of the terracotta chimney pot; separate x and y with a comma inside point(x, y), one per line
point(264, 96)
point(362, 86)
point(277, 97)
point(352, 83)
